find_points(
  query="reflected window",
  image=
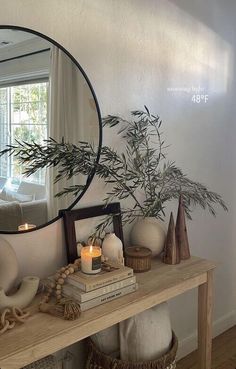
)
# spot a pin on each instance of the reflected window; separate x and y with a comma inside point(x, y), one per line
point(23, 117)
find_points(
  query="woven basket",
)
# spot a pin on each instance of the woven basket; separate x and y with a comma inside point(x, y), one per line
point(98, 360)
point(48, 362)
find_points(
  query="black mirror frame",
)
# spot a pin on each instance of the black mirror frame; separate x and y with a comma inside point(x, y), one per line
point(90, 177)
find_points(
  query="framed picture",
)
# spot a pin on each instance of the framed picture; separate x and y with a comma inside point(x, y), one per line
point(70, 217)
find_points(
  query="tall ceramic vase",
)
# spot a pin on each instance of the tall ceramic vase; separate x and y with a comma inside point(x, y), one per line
point(149, 232)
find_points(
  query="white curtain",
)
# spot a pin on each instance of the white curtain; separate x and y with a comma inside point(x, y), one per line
point(72, 115)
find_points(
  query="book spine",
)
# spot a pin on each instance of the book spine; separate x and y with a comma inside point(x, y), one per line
point(108, 297)
point(77, 284)
point(90, 286)
point(86, 296)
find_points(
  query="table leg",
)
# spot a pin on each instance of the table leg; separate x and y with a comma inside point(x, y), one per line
point(205, 302)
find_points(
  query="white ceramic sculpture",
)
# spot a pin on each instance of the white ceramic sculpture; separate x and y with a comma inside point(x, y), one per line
point(112, 248)
point(146, 336)
point(23, 296)
point(149, 232)
point(8, 265)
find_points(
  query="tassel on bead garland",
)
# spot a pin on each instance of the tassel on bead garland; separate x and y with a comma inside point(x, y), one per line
point(67, 309)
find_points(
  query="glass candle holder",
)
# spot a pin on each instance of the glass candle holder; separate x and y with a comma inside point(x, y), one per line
point(91, 259)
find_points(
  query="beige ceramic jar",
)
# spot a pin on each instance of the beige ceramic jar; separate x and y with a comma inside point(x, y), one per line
point(149, 232)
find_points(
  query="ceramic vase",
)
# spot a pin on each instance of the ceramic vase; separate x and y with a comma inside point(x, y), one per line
point(149, 232)
point(112, 248)
point(23, 296)
point(8, 266)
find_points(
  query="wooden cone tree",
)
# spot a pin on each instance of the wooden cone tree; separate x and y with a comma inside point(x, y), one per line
point(171, 250)
point(181, 232)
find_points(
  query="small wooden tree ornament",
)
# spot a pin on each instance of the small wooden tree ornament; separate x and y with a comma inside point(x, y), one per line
point(181, 232)
point(171, 250)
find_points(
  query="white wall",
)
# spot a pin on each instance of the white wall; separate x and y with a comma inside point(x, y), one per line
point(133, 51)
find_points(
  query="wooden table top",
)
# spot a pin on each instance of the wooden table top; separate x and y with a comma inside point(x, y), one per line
point(44, 334)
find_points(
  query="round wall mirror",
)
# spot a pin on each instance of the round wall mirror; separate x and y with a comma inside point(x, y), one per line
point(44, 93)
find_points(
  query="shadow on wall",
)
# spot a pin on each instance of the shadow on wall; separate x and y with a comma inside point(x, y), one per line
point(181, 52)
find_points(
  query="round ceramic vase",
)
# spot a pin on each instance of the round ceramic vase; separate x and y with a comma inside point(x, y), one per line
point(8, 266)
point(149, 232)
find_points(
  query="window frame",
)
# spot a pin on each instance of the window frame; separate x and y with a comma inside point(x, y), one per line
point(11, 124)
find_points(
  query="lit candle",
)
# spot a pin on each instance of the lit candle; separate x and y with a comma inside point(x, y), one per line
point(91, 259)
point(26, 227)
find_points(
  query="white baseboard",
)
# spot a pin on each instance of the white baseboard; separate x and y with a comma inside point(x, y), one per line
point(189, 343)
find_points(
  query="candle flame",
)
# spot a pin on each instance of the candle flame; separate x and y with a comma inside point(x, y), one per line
point(26, 226)
point(90, 249)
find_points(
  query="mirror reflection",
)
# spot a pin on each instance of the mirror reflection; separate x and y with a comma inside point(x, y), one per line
point(43, 94)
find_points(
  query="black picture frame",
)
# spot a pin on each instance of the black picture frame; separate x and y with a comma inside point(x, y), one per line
point(71, 216)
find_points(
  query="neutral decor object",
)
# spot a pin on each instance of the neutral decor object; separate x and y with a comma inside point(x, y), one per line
point(91, 259)
point(107, 341)
point(181, 232)
point(149, 232)
point(23, 296)
point(8, 265)
point(103, 299)
point(70, 290)
point(98, 359)
point(138, 258)
point(146, 336)
point(112, 248)
point(171, 254)
point(65, 308)
point(48, 362)
point(111, 273)
point(112, 212)
point(141, 171)
point(10, 316)
point(114, 281)
point(47, 334)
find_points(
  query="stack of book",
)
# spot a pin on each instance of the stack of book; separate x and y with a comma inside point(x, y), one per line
point(93, 290)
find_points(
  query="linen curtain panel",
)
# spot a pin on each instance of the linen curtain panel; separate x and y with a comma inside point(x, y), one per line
point(67, 118)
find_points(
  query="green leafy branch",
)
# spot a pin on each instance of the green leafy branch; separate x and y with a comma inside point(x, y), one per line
point(141, 169)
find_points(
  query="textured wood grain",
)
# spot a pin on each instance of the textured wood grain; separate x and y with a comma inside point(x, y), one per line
point(44, 334)
point(171, 254)
point(223, 353)
point(181, 232)
point(205, 302)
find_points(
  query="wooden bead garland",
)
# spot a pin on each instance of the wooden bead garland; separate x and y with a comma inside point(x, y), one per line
point(64, 307)
point(10, 316)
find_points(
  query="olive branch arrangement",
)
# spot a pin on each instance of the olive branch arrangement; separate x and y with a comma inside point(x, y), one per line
point(140, 171)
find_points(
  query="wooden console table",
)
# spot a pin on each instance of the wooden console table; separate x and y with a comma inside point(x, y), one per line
point(43, 334)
